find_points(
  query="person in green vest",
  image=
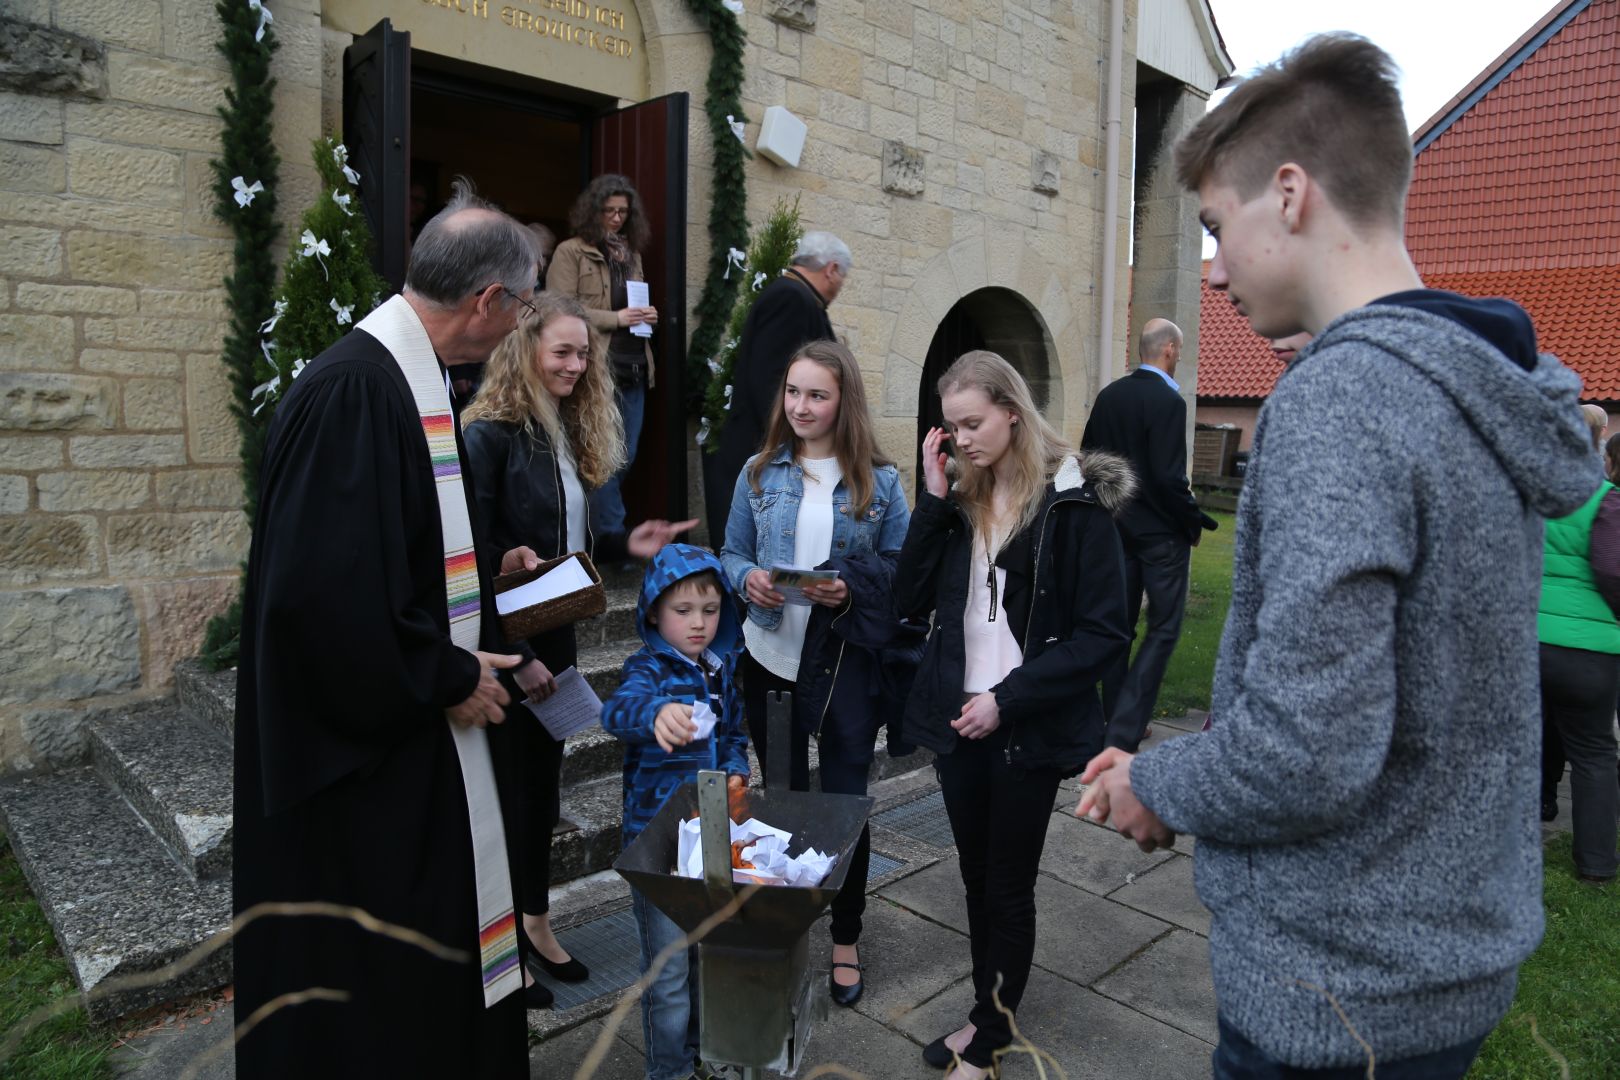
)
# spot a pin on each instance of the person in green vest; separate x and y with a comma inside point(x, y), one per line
point(1580, 665)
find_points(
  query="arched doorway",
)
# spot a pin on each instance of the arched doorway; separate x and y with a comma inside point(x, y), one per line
point(999, 320)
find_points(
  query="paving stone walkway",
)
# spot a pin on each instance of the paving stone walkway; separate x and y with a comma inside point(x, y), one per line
point(1121, 987)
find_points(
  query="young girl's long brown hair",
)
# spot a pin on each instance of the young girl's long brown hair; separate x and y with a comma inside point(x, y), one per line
point(1036, 449)
point(588, 419)
point(853, 442)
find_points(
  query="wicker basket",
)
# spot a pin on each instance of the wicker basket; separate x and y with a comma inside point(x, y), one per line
point(562, 611)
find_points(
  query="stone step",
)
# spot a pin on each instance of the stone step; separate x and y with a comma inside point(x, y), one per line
point(207, 695)
point(617, 623)
point(118, 901)
point(174, 768)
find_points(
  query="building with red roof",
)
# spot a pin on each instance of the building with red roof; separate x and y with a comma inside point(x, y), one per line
point(1515, 192)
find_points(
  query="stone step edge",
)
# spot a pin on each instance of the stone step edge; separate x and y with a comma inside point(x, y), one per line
point(134, 845)
point(154, 780)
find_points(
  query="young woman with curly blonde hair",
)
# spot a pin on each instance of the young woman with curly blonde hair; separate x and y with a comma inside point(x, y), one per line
point(543, 429)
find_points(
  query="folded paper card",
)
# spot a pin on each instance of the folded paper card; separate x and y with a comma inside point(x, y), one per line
point(790, 581)
point(566, 577)
point(635, 294)
point(570, 709)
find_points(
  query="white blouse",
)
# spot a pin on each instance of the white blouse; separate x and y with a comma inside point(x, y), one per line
point(991, 649)
point(777, 651)
point(573, 496)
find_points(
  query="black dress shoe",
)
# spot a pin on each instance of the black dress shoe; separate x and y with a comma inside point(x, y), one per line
point(1549, 809)
point(938, 1055)
point(570, 970)
point(537, 996)
point(845, 995)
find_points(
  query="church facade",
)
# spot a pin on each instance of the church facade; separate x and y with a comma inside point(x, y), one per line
point(995, 167)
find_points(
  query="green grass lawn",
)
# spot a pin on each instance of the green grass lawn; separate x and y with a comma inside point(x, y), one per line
point(1192, 667)
point(1570, 986)
point(33, 973)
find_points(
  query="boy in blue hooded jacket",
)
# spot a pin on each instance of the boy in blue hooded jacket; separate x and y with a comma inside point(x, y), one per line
point(684, 674)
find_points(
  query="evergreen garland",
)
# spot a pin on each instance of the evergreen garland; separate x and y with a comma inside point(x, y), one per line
point(768, 256)
point(728, 206)
point(245, 182)
point(327, 285)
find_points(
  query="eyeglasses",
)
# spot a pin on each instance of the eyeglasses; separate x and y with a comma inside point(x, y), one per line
point(615, 211)
point(532, 309)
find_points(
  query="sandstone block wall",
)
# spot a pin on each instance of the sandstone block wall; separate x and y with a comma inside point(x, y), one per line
point(120, 522)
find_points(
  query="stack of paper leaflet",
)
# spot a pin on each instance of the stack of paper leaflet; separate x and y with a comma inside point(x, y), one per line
point(763, 847)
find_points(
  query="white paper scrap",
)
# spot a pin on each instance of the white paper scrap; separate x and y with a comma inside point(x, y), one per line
point(570, 709)
point(562, 579)
point(765, 846)
point(636, 295)
point(704, 717)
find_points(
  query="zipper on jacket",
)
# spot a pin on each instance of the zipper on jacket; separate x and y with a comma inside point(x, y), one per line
point(1034, 595)
point(990, 579)
point(838, 665)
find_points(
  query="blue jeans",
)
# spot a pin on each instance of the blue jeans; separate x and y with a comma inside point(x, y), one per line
point(1236, 1058)
point(607, 501)
point(669, 1008)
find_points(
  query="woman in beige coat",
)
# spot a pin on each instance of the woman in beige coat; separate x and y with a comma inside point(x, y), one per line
point(610, 231)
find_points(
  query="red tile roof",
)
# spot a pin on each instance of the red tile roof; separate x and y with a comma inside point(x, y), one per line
point(1527, 176)
point(1515, 192)
point(1233, 360)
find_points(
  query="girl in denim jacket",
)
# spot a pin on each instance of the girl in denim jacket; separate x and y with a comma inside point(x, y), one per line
point(821, 495)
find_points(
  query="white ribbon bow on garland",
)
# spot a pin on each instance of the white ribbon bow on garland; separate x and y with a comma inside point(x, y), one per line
point(343, 202)
point(265, 18)
point(340, 154)
point(735, 260)
point(269, 325)
point(733, 6)
point(245, 192)
point(344, 314)
point(738, 128)
point(316, 248)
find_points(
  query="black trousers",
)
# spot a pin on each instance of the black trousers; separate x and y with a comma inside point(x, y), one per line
point(1131, 687)
point(838, 777)
point(999, 813)
point(1578, 693)
point(539, 767)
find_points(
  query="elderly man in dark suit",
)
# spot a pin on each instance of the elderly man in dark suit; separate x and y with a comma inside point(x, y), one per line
point(790, 312)
point(1144, 418)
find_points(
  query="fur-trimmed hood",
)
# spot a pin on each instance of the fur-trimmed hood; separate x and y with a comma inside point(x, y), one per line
point(1108, 477)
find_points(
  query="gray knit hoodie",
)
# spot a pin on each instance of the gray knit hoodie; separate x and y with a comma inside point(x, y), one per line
point(1365, 800)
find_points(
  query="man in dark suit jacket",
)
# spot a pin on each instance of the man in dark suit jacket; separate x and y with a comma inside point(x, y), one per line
point(1144, 418)
point(790, 312)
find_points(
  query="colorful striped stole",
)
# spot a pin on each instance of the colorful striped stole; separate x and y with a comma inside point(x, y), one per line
point(397, 327)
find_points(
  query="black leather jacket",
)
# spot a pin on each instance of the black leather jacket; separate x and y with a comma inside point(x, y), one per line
point(518, 502)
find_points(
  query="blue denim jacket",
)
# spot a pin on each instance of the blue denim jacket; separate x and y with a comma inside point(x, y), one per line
point(762, 527)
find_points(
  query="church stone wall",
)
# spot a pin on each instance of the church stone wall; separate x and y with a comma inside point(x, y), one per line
point(953, 145)
point(120, 523)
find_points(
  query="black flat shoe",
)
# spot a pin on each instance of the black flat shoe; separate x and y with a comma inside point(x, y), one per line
point(938, 1055)
point(570, 970)
point(1549, 810)
point(537, 996)
point(845, 995)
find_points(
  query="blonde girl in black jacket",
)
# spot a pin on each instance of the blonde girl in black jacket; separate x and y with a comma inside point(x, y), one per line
point(1022, 567)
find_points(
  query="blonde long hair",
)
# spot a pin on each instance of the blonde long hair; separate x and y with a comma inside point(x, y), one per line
point(853, 441)
point(588, 419)
point(1036, 449)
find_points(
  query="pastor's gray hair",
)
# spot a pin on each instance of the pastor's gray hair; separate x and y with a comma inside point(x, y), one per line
point(818, 249)
point(468, 246)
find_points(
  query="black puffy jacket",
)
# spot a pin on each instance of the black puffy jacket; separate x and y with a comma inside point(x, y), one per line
point(1065, 602)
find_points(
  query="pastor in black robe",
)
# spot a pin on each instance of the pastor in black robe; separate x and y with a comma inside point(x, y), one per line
point(787, 314)
point(348, 784)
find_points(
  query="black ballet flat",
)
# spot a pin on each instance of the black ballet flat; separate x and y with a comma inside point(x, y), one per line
point(846, 995)
point(537, 996)
point(938, 1055)
point(570, 970)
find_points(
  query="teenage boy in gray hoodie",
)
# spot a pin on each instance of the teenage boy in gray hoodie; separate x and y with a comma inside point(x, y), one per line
point(1365, 799)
